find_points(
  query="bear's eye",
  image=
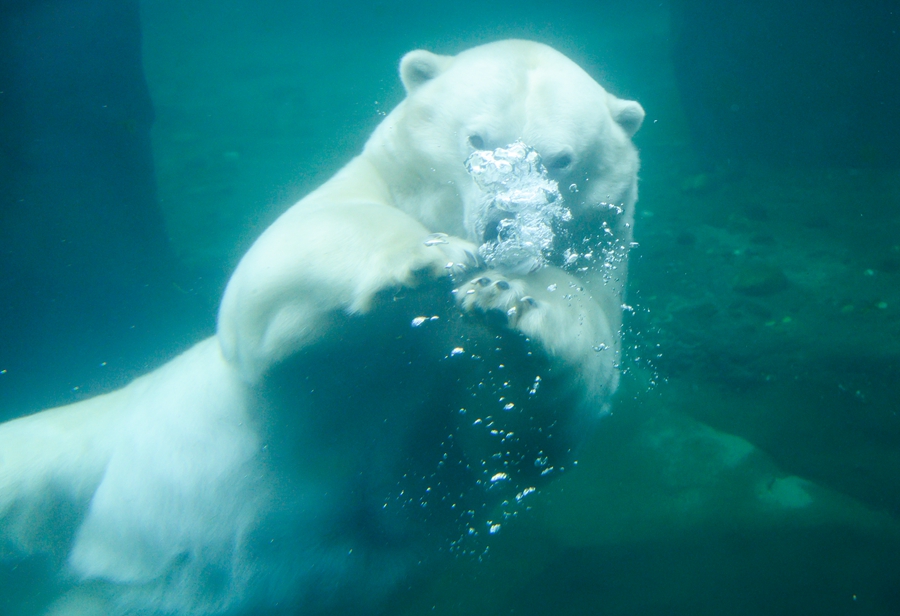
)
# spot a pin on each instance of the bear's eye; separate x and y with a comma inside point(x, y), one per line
point(559, 162)
point(476, 142)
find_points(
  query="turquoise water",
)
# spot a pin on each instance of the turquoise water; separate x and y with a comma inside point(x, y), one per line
point(752, 461)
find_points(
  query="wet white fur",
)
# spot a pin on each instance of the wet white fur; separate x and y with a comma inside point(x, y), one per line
point(162, 496)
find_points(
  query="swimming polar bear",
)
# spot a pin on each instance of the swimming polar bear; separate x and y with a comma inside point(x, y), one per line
point(374, 394)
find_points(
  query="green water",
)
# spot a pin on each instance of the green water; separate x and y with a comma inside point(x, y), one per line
point(752, 461)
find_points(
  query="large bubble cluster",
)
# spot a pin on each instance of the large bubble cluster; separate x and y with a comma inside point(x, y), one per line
point(519, 209)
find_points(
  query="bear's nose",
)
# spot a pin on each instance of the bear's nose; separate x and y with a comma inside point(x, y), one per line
point(497, 221)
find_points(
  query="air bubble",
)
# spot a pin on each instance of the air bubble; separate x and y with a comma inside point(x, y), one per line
point(525, 493)
point(519, 208)
point(435, 239)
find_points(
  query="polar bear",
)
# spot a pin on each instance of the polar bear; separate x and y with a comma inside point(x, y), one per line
point(373, 396)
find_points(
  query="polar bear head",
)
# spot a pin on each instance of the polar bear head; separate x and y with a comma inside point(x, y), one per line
point(491, 96)
point(411, 180)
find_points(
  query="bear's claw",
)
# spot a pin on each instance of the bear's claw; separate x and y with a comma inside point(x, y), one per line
point(498, 294)
point(459, 256)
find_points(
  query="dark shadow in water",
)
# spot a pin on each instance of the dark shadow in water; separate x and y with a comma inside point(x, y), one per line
point(88, 284)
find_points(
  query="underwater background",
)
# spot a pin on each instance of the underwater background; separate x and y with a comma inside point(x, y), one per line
point(751, 464)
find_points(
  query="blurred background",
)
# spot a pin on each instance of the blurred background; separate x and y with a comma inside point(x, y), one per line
point(752, 462)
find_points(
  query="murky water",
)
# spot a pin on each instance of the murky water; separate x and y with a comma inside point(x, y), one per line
point(751, 461)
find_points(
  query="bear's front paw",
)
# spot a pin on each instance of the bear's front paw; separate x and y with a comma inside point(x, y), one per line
point(552, 309)
point(453, 256)
point(493, 292)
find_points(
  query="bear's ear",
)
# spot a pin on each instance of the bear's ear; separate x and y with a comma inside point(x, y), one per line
point(420, 66)
point(627, 114)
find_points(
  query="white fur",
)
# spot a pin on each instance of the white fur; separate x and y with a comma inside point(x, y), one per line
point(181, 493)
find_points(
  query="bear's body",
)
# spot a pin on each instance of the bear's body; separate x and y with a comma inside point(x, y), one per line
point(319, 446)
